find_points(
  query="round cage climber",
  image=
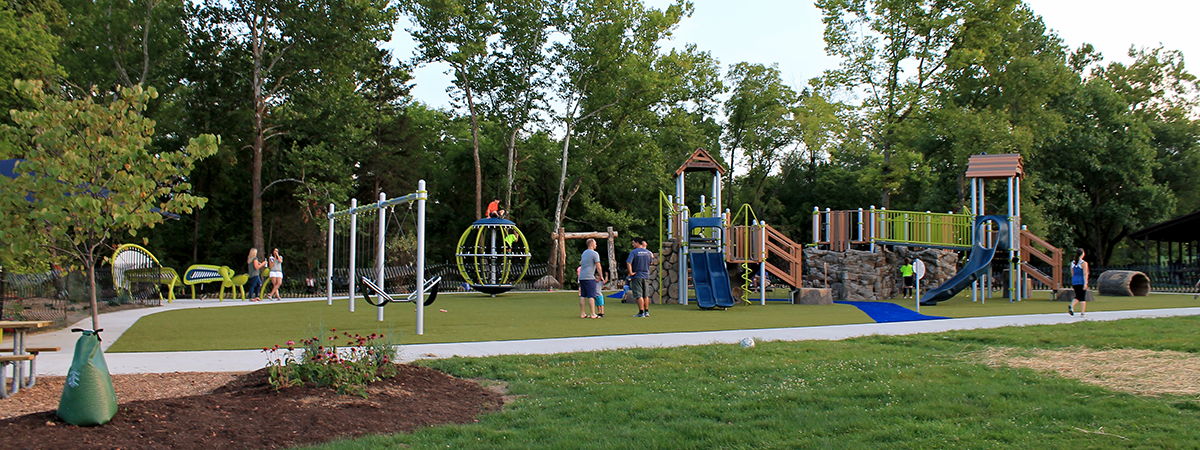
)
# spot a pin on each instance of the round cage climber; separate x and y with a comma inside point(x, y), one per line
point(492, 256)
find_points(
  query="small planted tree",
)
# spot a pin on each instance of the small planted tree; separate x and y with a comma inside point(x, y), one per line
point(88, 175)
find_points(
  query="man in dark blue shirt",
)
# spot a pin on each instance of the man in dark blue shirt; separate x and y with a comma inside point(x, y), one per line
point(638, 264)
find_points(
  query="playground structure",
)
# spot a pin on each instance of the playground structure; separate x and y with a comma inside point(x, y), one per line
point(706, 242)
point(133, 264)
point(985, 236)
point(383, 206)
point(492, 256)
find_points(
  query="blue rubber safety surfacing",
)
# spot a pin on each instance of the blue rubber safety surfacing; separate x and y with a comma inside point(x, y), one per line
point(883, 312)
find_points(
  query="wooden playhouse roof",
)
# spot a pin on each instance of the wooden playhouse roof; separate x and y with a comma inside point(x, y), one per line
point(700, 161)
point(996, 166)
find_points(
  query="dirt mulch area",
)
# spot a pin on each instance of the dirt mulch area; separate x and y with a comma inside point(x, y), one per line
point(243, 412)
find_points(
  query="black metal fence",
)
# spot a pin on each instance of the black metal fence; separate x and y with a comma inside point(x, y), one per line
point(1179, 278)
point(397, 279)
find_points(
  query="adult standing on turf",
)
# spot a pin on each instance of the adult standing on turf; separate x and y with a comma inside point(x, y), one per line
point(254, 270)
point(638, 264)
point(276, 263)
point(1079, 281)
point(590, 273)
point(907, 271)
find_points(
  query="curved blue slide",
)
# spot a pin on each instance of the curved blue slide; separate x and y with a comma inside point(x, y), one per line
point(710, 279)
point(977, 265)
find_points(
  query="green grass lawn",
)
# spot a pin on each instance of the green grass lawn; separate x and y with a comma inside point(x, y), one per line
point(473, 318)
point(917, 391)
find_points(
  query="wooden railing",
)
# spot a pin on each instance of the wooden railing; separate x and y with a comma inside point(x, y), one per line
point(744, 244)
point(1054, 259)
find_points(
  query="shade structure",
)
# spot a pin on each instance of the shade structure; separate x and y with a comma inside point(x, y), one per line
point(492, 255)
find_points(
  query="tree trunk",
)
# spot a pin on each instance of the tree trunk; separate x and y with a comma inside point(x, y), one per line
point(512, 165)
point(466, 87)
point(91, 274)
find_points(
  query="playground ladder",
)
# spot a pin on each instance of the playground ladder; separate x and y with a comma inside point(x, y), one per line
point(1054, 259)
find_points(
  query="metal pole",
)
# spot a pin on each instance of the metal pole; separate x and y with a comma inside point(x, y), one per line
point(1013, 276)
point(353, 248)
point(421, 196)
point(379, 253)
point(683, 254)
point(329, 260)
point(762, 264)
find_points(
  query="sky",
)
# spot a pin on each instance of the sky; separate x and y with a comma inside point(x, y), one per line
point(788, 33)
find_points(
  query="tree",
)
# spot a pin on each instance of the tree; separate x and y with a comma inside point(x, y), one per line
point(27, 52)
point(893, 52)
point(760, 123)
point(90, 176)
point(286, 40)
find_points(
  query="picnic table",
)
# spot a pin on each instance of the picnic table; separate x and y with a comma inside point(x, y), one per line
point(19, 355)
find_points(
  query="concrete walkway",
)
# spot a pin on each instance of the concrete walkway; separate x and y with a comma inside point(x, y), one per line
point(249, 360)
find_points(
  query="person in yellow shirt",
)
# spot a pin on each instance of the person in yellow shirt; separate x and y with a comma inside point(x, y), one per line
point(907, 271)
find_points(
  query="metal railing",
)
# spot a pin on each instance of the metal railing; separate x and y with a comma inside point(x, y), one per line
point(1179, 278)
point(923, 228)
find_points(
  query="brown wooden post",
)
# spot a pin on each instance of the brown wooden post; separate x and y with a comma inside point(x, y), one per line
point(612, 259)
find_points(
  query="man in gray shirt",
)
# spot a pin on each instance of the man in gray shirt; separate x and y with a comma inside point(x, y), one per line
point(590, 273)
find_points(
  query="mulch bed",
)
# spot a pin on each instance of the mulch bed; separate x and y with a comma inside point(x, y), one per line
point(248, 414)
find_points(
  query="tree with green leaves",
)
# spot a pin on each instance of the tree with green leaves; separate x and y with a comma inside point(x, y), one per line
point(88, 175)
point(27, 52)
point(759, 126)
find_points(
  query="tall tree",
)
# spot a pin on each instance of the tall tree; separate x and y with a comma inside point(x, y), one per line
point(89, 175)
point(892, 53)
point(760, 123)
point(286, 40)
point(27, 52)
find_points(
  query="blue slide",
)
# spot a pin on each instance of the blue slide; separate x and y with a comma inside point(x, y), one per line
point(977, 265)
point(710, 279)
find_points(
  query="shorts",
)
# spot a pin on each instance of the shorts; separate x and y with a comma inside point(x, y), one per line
point(639, 287)
point(276, 274)
point(908, 281)
point(1080, 293)
point(588, 288)
point(600, 299)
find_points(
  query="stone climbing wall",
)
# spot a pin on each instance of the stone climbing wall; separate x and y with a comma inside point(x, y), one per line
point(862, 275)
point(669, 264)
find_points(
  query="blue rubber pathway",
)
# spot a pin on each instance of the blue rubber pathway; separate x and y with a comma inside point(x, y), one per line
point(884, 312)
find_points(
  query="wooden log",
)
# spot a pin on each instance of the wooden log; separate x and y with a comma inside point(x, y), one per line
point(812, 296)
point(1124, 283)
point(585, 235)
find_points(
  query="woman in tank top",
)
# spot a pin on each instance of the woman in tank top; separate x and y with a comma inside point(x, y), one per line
point(1079, 281)
point(254, 270)
point(276, 274)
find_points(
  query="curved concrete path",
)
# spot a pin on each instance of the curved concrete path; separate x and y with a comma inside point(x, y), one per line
point(116, 323)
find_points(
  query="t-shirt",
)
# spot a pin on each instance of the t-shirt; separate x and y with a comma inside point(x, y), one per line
point(587, 264)
point(494, 206)
point(906, 270)
point(640, 259)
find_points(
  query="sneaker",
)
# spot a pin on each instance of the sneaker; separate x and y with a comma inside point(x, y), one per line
point(638, 315)
point(646, 314)
point(1082, 314)
point(1070, 310)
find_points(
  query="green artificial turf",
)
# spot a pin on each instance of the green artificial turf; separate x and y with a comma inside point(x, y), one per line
point(903, 392)
point(523, 315)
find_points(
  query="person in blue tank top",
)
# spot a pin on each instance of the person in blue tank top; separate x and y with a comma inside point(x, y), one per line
point(1079, 281)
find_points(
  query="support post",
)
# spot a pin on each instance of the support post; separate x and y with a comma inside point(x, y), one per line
point(421, 196)
point(329, 260)
point(353, 248)
point(683, 253)
point(379, 253)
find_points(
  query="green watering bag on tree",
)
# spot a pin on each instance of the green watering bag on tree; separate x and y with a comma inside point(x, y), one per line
point(88, 398)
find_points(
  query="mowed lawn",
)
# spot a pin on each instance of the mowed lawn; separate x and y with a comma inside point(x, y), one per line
point(529, 315)
point(894, 392)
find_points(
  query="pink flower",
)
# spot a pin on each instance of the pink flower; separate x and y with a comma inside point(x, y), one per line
point(291, 342)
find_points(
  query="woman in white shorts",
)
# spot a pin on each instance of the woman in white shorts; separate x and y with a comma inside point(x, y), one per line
point(276, 263)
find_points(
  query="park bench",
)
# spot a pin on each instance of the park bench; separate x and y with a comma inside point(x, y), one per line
point(5, 361)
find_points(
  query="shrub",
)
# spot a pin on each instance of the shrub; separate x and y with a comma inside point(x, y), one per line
point(348, 368)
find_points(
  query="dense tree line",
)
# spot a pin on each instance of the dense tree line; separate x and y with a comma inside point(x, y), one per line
point(576, 113)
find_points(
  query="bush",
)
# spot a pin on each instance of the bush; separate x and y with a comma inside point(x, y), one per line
point(348, 368)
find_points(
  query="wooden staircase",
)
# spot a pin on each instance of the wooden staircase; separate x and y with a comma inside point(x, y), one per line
point(743, 241)
point(1054, 258)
